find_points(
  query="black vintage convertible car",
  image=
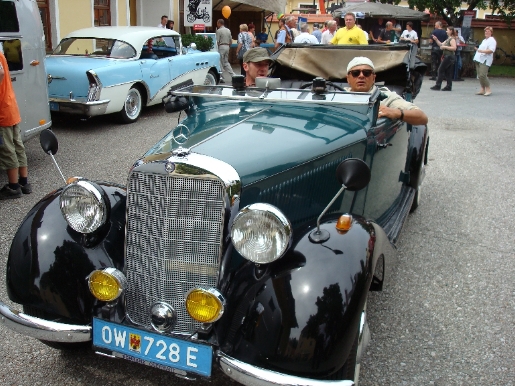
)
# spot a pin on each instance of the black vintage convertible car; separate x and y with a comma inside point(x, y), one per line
point(248, 238)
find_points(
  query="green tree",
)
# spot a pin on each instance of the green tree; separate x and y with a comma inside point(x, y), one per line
point(450, 10)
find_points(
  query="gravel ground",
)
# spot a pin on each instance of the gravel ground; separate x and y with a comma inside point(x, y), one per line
point(447, 317)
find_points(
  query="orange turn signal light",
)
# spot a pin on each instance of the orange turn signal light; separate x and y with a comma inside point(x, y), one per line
point(344, 223)
point(71, 180)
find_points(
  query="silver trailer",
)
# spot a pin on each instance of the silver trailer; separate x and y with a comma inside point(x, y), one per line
point(23, 42)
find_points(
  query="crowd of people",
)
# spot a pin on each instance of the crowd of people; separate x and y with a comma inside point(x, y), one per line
point(446, 60)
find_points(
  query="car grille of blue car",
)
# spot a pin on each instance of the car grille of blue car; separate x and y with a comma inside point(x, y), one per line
point(173, 243)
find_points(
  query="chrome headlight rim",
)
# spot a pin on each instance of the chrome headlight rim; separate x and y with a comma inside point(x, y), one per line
point(97, 193)
point(279, 217)
point(216, 294)
point(116, 275)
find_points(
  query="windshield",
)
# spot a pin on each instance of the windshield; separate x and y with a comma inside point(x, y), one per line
point(108, 48)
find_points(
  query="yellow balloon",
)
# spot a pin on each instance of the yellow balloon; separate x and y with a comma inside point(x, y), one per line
point(226, 11)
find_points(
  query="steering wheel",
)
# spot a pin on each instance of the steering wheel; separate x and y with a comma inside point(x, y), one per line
point(335, 86)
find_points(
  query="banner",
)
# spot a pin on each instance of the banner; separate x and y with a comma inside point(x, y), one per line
point(198, 12)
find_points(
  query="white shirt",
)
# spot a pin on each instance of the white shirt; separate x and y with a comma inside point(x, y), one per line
point(486, 44)
point(410, 35)
point(327, 36)
point(161, 26)
point(305, 37)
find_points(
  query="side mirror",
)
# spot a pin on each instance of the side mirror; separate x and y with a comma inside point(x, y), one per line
point(49, 144)
point(48, 141)
point(353, 173)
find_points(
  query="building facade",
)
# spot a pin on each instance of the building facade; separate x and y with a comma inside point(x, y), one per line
point(60, 17)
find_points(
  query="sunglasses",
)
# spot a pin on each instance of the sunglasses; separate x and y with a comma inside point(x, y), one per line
point(355, 73)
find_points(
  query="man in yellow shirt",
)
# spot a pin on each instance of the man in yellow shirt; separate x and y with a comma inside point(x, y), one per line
point(350, 34)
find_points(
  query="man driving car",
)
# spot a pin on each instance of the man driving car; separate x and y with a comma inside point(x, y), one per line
point(361, 78)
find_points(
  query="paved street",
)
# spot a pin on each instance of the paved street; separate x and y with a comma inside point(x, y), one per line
point(447, 319)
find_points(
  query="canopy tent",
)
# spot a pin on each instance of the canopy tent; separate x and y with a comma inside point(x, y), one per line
point(271, 6)
point(386, 11)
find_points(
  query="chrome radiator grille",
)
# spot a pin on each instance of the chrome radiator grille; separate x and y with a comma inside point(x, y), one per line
point(174, 236)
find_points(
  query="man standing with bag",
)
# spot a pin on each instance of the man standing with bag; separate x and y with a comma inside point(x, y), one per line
point(436, 51)
point(224, 40)
point(12, 152)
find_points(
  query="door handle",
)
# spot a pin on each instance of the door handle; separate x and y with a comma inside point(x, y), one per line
point(383, 145)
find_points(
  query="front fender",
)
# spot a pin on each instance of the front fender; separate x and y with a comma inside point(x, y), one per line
point(48, 261)
point(300, 314)
point(418, 146)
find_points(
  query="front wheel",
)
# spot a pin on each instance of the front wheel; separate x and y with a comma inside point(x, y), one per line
point(132, 106)
point(191, 18)
point(211, 79)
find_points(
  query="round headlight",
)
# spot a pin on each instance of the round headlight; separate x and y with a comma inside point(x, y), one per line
point(83, 206)
point(206, 306)
point(261, 233)
point(107, 284)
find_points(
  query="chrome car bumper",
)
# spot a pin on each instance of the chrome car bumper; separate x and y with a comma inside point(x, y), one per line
point(43, 329)
point(79, 107)
point(256, 376)
point(241, 372)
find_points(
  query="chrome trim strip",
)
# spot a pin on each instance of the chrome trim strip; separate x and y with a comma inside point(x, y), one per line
point(256, 376)
point(43, 329)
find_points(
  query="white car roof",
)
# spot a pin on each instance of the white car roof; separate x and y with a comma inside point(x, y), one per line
point(135, 36)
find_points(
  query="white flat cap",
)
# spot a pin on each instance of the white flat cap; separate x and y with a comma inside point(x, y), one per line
point(358, 61)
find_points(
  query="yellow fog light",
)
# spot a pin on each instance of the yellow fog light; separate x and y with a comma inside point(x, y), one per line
point(206, 306)
point(107, 284)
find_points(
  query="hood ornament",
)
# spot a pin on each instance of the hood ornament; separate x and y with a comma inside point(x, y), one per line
point(180, 136)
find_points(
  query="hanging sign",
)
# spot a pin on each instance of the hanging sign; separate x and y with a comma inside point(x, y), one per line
point(198, 12)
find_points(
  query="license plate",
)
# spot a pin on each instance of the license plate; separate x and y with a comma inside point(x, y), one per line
point(152, 349)
point(54, 106)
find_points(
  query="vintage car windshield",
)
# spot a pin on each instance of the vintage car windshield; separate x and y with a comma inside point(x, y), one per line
point(109, 48)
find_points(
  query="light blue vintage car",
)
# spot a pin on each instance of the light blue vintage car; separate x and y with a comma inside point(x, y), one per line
point(104, 70)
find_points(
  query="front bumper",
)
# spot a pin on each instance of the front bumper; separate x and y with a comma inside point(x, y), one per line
point(256, 376)
point(78, 107)
point(241, 372)
point(43, 329)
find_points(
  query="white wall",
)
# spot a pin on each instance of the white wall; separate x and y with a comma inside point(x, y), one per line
point(150, 11)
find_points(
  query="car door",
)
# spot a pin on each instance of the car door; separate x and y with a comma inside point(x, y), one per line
point(388, 142)
point(156, 74)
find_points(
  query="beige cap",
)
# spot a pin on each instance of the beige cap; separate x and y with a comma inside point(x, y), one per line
point(358, 61)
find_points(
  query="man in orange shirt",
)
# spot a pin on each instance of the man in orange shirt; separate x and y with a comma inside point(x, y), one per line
point(12, 152)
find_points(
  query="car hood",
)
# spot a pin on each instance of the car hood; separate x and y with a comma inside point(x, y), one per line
point(260, 140)
point(68, 74)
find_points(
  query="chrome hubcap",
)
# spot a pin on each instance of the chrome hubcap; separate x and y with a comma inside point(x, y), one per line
point(133, 103)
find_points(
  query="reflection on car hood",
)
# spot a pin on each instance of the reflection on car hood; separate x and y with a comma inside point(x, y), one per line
point(261, 139)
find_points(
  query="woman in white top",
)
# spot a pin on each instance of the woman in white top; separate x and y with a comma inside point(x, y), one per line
point(409, 34)
point(483, 59)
